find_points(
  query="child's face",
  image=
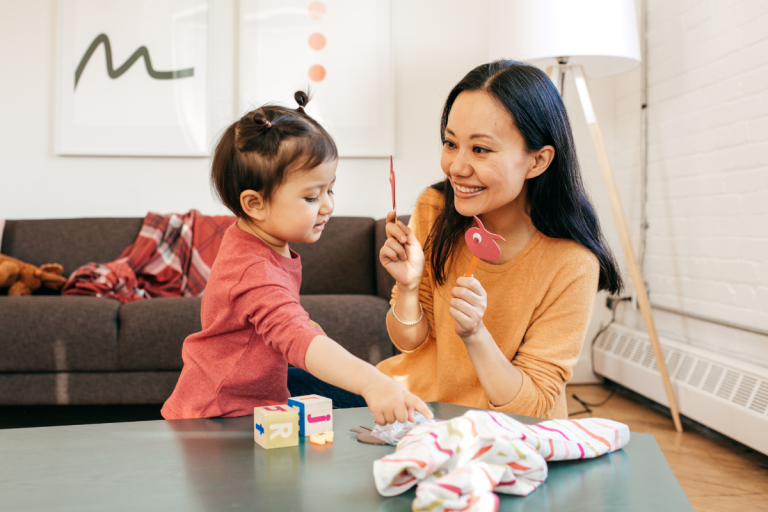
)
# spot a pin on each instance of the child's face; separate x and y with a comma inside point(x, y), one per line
point(300, 208)
point(484, 155)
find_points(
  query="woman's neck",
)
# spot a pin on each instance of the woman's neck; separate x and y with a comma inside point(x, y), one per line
point(513, 222)
point(277, 245)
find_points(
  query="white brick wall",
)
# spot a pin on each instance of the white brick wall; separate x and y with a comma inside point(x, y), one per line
point(707, 169)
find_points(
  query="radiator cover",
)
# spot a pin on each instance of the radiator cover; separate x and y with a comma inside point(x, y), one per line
point(725, 394)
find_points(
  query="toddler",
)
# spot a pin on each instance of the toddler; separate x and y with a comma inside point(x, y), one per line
point(274, 169)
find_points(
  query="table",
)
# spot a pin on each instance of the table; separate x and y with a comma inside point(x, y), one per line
point(213, 464)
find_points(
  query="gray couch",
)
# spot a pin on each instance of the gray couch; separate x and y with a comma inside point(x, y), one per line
point(89, 350)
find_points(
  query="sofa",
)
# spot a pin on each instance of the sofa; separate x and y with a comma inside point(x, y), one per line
point(92, 350)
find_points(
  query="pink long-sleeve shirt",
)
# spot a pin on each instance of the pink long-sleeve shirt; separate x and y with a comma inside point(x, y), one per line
point(253, 326)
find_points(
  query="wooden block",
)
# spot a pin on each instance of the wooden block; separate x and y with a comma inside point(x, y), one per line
point(315, 413)
point(276, 426)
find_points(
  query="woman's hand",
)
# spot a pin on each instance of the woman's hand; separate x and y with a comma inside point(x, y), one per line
point(389, 400)
point(468, 307)
point(402, 254)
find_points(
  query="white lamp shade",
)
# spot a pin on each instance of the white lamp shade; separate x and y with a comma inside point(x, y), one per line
point(600, 35)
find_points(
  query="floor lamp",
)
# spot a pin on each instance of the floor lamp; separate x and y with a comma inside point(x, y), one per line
point(598, 38)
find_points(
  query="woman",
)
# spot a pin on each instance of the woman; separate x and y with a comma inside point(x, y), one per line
point(507, 338)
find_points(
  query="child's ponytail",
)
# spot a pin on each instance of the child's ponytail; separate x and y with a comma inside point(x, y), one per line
point(260, 150)
point(251, 134)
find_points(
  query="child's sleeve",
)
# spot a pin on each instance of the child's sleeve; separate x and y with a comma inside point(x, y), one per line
point(553, 341)
point(278, 318)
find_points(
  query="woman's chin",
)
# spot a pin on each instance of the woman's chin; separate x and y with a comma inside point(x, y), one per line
point(466, 208)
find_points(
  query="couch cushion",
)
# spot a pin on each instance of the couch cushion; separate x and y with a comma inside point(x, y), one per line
point(86, 388)
point(153, 331)
point(71, 242)
point(384, 281)
point(43, 334)
point(341, 262)
point(356, 322)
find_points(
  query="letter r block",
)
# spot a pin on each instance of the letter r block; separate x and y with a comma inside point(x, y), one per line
point(315, 413)
point(275, 426)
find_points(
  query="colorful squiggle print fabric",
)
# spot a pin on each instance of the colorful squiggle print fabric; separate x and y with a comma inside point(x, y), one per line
point(458, 463)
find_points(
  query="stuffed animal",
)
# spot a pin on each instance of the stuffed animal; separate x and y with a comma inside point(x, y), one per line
point(22, 278)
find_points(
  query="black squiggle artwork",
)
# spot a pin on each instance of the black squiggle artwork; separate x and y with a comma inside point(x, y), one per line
point(115, 73)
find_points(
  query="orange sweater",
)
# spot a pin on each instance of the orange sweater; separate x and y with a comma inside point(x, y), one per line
point(539, 307)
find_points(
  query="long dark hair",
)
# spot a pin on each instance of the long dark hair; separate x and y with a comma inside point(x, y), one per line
point(559, 204)
point(260, 150)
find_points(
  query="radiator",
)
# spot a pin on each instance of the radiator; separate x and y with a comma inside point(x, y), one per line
point(725, 394)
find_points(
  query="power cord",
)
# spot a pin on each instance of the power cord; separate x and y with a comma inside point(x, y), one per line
point(613, 303)
point(588, 406)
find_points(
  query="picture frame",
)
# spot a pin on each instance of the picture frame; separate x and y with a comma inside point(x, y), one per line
point(132, 78)
point(338, 50)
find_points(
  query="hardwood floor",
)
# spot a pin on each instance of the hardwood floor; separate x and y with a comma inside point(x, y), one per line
point(716, 473)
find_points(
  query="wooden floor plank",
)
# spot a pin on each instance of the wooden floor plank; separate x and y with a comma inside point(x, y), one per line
point(716, 475)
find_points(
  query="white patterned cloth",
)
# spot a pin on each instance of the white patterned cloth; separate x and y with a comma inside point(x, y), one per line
point(458, 463)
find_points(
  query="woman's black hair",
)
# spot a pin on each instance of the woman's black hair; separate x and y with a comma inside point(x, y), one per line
point(263, 147)
point(559, 204)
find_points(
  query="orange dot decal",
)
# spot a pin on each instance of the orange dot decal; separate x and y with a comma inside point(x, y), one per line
point(317, 41)
point(317, 73)
point(317, 10)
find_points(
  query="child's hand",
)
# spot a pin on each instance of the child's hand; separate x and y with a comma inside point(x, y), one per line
point(389, 400)
point(468, 306)
point(402, 254)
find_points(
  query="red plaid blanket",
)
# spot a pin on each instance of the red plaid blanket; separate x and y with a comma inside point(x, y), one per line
point(171, 257)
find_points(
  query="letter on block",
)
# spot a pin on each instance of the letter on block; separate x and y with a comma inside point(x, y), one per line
point(276, 426)
point(315, 413)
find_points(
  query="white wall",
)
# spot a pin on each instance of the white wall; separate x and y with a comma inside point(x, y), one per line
point(707, 172)
point(35, 183)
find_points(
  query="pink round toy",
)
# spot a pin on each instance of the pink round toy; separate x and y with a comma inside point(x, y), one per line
point(482, 246)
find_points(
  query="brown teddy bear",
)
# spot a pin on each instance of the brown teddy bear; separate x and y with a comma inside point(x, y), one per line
point(22, 278)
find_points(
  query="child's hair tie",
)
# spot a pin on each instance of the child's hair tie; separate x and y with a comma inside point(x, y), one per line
point(267, 124)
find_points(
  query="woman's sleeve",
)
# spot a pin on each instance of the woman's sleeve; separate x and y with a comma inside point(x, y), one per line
point(553, 341)
point(279, 319)
point(420, 224)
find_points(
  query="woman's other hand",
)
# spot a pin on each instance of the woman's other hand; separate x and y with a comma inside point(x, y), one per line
point(468, 307)
point(402, 254)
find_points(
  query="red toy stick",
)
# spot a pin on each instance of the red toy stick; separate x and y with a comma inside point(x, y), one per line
point(481, 244)
point(392, 182)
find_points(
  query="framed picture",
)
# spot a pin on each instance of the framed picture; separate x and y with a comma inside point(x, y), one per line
point(338, 49)
point(132, 77)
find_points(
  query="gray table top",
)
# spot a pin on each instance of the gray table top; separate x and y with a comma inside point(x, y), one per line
point(214, 465)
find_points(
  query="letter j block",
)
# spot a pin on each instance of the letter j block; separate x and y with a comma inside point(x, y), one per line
point(276, 426)
point(315, 413)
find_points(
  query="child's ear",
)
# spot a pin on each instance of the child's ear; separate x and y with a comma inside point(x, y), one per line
point(253, 205)
point(542, 158)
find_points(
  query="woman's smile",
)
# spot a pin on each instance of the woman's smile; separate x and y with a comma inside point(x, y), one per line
point(466, 192)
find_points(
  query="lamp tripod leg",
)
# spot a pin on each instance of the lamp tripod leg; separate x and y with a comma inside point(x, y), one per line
point(626, 241)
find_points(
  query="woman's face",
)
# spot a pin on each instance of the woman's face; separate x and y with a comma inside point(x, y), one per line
point(484, 155)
